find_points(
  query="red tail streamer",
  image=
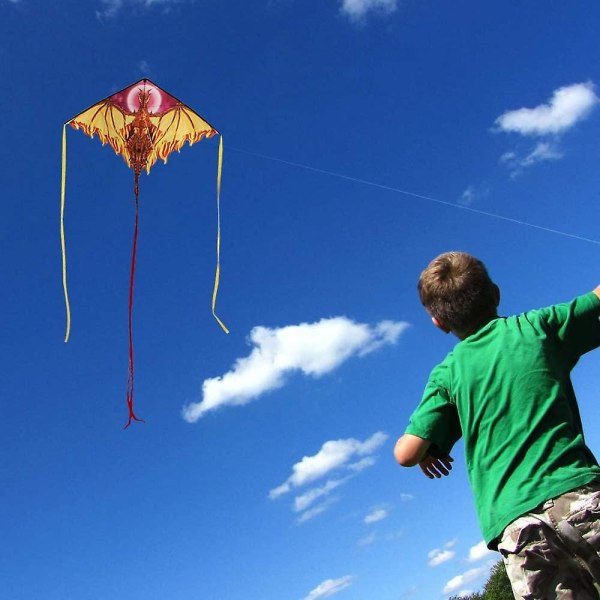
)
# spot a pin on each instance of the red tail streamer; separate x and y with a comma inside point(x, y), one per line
point(132, 416)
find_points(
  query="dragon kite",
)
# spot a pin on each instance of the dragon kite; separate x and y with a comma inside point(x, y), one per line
point(142, 123)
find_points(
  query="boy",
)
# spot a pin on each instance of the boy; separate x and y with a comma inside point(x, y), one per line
point(506, 389)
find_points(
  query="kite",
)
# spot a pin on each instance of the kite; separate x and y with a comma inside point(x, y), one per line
point(142, 123)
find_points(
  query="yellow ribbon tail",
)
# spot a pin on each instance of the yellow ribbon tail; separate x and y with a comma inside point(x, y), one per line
point(62, 230)
point(218, 269)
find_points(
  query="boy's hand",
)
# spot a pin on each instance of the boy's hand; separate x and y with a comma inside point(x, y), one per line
point(436, 467)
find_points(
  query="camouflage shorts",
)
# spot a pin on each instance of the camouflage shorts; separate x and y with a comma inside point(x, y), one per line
point(553, 552)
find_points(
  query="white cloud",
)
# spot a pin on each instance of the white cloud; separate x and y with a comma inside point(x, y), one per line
point(305, 500)
point(311, 348)
point(358, 9)
point(334, 454)
point(542, 152)
point(437, 557)
point(406, 497)
point(473, 193)
point(329, 587)
point(478, 552)
point(113, 7)
point(376, 515)
point(307, 515)
point(567, 106)
point(471, 575)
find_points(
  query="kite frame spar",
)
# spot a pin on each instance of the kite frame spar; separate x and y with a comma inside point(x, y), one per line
point(127, 122)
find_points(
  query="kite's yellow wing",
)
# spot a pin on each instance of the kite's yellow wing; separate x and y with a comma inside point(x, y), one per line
point(174, 128)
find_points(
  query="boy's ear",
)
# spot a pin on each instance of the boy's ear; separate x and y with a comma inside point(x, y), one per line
point(440, 325)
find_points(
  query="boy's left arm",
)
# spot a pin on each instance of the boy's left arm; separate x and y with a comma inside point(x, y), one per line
point(411, 450)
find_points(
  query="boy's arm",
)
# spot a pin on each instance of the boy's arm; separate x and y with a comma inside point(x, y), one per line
point(410, 450)
point(597, 291)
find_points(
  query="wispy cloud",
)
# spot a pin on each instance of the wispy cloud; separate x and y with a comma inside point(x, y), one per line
point(311, 348)
point(438, 556)
point(111, 8)
point(301, 503)
point(478, 552)
point(334, 454)
point(473, 193)
point(144, 67)
point(568, 106)
point(542, 152)
point(329, 587)
point(368, 540)
point(307, 515)
point(465, 578)
point(377, 514)
point(406, 497)
point(356, 10)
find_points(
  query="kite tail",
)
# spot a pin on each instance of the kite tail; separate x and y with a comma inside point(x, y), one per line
point(132, 416)
point(63, 181)
point(218, 269)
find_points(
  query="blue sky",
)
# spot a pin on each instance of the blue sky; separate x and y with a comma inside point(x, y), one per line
point(362, 138)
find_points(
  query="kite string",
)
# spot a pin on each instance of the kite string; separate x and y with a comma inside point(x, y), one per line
point(218, 268)
point(130, 374)
point(421, 196)
point(63, 181)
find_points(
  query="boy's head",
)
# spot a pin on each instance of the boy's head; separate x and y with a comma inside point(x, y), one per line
point(458, 293)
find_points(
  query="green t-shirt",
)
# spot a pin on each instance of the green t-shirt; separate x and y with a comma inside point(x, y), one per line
point(507, 390)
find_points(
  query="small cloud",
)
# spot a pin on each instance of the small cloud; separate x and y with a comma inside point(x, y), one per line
point(329, 587)
point(542, 152)
point(302, 502)
point(464, 593)
point(394, 535)
point(367, 540)
point(376, 515)
point(113, 7)
point(437, 557)
point(307, 515)
point(406, 497)
point(144, 67)
point(568, 105)
point(468, 577)
point(357, 10)
point(334, 454)
point(472, 194)
point(478, 552)
point(314, 349)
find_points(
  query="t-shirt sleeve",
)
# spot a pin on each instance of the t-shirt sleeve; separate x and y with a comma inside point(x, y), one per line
point(436, 418)
point(576, 324)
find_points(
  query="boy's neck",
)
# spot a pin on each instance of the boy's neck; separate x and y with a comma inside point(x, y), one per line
point(461, 335)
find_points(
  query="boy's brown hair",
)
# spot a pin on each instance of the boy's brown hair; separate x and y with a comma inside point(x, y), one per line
point(456, 289)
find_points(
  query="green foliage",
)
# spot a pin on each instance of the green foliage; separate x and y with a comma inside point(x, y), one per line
point(497, 586)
